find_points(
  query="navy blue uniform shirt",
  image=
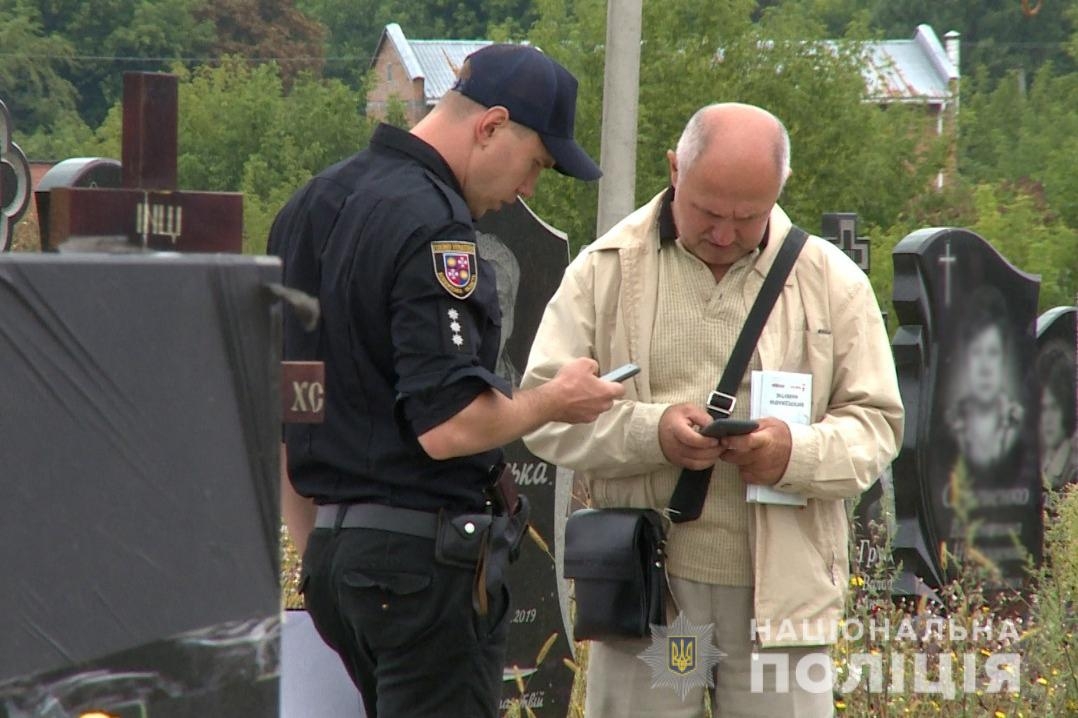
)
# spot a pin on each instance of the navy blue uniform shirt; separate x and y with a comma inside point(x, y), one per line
point(409, 331)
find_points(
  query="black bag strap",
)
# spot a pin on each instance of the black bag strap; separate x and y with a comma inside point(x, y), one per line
point(688, 499)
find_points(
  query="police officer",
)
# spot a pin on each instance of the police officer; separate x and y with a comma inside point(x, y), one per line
point(402, 574)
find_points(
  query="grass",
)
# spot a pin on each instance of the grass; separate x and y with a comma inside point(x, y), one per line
point(1039, 625)
point(974, 632)
point(25, 237)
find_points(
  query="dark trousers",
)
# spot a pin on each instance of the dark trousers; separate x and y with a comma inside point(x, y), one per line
point(404, 624)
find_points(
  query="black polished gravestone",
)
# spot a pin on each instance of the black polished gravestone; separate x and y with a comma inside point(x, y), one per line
point(968, 466)
point(1056, 369)
point(14, 181)
point(140, 417)
point(529, 258)
point(872, 530)
point(840, 229)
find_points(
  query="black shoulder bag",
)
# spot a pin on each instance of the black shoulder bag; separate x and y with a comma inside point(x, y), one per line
point(616, 556)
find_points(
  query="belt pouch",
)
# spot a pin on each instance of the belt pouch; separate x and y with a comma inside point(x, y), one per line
point(461, 538)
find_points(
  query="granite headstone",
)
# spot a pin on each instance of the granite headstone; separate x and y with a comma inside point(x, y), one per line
point(1056, 373)
point(967, 480)
point(529, 258)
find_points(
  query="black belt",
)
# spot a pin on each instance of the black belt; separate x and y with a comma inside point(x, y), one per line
point(376, 516)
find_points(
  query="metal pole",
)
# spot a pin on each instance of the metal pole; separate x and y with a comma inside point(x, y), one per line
point(621, 92)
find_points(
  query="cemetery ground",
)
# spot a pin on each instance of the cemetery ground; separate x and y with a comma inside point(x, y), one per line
point(1038, 624)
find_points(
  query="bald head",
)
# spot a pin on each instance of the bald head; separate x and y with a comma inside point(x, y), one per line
point(738, 133)
point(728, 172)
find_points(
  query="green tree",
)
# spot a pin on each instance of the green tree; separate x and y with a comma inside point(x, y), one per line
point(848, 155)
point(110, 37)
point(396, 113)
point(1049, 143)
point(32, 64)
point(352, 31)
point(233, 112)
point(1072, 17)
point(835, 15)
point(1011, 135)
point(264, 31)
point(1016, 220)
point(66, 136)
point(320, 123)
point(241, 130)
point(224, 114)
point(355, 25)
point(91, 45)
point(998, 35)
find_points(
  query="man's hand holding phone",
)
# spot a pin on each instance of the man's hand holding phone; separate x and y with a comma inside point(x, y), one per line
point(761, 455)
point(720, 428)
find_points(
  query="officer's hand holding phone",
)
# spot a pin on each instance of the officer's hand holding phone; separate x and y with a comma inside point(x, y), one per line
point(623, 372)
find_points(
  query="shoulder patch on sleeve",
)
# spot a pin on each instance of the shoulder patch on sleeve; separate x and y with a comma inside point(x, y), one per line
point(455, 267)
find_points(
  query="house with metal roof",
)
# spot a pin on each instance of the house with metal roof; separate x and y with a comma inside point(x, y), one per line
point(918, 70)
point(415, 73)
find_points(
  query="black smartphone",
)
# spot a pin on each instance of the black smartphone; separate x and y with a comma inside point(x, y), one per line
point(622, 373)
point(728, 427)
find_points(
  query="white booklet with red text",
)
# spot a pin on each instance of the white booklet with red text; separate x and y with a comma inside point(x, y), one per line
point(783, 395)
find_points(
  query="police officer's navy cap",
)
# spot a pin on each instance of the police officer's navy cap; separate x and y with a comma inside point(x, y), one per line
point(538, 92)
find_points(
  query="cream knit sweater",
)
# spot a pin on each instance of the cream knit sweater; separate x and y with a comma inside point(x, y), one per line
point(696, 325)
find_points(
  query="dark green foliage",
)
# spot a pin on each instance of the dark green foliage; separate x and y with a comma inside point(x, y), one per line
point(847, 154)
point(997, 35)
point(246, 127)
point(355, 25)
point(32, 78)
point(110, 37)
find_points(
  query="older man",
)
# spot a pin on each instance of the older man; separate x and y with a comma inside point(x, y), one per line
point(669, 288)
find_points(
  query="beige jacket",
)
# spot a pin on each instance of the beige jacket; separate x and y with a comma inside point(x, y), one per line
point(826, 322)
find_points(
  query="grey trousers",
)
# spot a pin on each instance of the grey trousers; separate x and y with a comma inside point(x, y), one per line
point(621, 684)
